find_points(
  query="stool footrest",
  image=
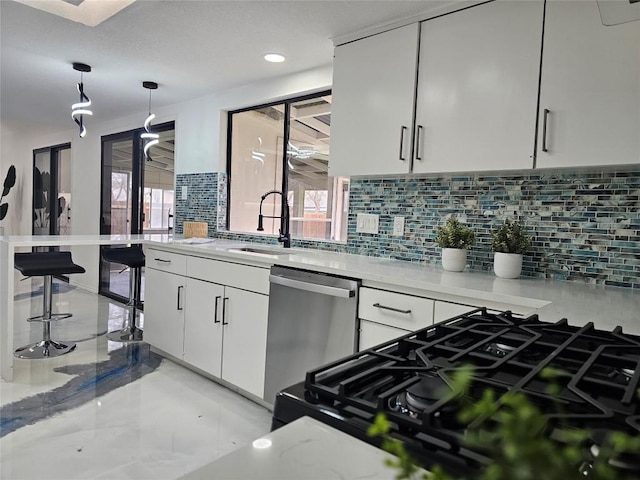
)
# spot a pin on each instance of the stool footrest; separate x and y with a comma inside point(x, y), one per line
point(54, 317)
point(129, 334)
point(44, 349)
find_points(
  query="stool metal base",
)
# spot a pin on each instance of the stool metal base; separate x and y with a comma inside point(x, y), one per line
point(44, 349)
point(128, 334)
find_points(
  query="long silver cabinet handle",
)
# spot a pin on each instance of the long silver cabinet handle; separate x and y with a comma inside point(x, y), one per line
point(179, 306)
point(224, 310)
point(418, 142)
point(393, 309)
point(544, 129)
point(400, 155)
point(162, 260)
point(215, 308)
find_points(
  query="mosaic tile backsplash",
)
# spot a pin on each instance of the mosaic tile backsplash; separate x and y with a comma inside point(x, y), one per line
point(203, 203)
point(585, 226)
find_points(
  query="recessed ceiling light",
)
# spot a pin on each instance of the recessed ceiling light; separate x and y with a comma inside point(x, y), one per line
point(274, 57)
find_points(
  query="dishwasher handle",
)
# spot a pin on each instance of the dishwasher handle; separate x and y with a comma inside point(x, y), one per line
point(312, 287)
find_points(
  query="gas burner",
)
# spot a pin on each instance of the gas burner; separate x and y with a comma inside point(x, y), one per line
point(421, 396)
point(499, 349)
point(622, 462)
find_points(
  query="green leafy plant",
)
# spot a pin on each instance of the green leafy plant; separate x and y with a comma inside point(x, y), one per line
point(511, 430)
point(453, 234)
point(510, 237)
point(9, 182)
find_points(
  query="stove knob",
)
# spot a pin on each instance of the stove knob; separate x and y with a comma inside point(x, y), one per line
point(585, 469)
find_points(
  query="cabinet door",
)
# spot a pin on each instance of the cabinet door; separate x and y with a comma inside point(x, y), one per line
point(245, 339)
point(445, 310)
point(590, 88)
point(203, 326)
point(164, 311)
point(373, 334)
point(372, 105)
point(477, 88)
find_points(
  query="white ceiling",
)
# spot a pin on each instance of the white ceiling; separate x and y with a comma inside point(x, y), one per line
point(190, 48)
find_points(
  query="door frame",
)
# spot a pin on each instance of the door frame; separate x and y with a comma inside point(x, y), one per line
point(54, 159)
point(137, 182)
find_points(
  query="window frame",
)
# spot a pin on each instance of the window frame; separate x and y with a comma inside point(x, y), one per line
point(287, 102)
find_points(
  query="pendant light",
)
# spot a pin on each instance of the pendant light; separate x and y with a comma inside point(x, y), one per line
point(151, 138)
point(80, 109)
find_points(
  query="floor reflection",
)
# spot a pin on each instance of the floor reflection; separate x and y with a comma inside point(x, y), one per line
point(90, 381)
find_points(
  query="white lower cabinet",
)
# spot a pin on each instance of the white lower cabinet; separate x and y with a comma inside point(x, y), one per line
point(164, 311)
point(372, 334)
point(244, 346)
point(386, 315)
point(203, 326)
point(225, 333)
point(217, 328)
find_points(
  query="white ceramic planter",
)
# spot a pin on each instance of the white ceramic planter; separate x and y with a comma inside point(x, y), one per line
point(454, 259)
point(507, 265)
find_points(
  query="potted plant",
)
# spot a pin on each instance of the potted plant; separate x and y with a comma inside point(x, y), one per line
point(455, 239)
point(9, 182)
point(509, 242)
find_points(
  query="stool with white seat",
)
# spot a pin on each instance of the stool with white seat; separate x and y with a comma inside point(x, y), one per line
point(132, 257)
point(46, 264)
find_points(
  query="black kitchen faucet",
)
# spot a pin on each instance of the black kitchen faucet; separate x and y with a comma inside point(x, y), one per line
point(284, 235)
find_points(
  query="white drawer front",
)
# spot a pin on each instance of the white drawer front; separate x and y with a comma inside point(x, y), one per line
point(254, 279)
point(166, 262)
point(373, 334)
point(395, 309)
point(446, 310)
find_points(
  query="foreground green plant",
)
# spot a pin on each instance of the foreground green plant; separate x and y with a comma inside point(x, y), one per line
point(511, 431)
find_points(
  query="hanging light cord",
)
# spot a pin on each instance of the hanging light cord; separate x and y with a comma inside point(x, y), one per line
point(81, 108)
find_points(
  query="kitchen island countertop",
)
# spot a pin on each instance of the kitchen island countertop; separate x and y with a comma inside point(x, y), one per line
point(303, 449)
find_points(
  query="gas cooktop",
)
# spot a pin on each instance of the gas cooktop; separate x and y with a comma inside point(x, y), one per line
point(406, 378)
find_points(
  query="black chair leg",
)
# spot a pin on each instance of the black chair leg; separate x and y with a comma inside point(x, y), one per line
point(131, 332)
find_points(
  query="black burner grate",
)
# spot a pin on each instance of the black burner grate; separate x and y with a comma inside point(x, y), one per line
point(600, 375)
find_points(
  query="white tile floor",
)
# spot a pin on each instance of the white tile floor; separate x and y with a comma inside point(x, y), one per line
point(162, 425)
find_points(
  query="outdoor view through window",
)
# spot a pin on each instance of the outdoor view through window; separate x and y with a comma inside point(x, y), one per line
point(318, 203)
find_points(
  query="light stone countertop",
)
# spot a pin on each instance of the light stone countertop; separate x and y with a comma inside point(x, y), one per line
point(606, 307)
point(301, 450)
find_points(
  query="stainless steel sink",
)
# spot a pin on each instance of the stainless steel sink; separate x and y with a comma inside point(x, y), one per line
point(263, 251)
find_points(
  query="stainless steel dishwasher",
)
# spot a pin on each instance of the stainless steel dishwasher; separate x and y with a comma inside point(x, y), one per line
point(312, 321)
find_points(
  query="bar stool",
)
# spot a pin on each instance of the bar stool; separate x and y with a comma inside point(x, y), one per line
point(46, 264)
point(132, 257)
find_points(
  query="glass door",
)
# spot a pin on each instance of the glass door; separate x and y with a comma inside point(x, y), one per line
point(158, 184)
point(136, 197)
point(52, 190)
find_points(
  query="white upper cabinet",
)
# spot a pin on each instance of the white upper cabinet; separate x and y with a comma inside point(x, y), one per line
point(590, 91)
point(477, 88)
point(373, 97)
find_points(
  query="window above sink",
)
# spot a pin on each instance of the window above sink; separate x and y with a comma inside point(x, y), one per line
point(258, 162)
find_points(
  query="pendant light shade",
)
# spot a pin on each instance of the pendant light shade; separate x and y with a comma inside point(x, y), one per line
point(80, 109)
point(150, 138)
